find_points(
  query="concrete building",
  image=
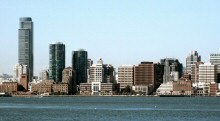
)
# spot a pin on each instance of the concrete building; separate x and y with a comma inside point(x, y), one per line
point(171, 65)
point(215, 60)
point(98, 88)
point(44, 74)
point(100, 72)
point(165, 89)
point(26, 45)
point(195, 72)
point(56, 61)
point(80, 65)
point(18, 71)
point(68, 77)
point(126, 76)
point(192, 58)
point(207, 73)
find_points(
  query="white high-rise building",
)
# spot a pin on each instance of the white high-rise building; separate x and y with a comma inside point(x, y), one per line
point(44, 74)
point(18, 71)
point(126, 75)
point(207, 73)
point(214, 58)
point(192, 58)
point(96, 72)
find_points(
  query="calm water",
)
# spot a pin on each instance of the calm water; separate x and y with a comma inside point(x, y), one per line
point(110, 109)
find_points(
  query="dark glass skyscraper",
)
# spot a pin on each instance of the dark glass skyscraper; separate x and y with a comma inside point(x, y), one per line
point(56, 61)
point(79, 63)
point(25, 45)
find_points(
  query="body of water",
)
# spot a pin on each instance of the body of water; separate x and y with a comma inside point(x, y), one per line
point(110, 109)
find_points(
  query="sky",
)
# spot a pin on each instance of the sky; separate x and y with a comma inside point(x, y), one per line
point(118, 31)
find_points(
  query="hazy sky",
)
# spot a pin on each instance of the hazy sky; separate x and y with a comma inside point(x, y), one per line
point(118, 31)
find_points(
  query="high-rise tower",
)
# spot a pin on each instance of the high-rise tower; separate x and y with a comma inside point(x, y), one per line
point(79, 63)
point(57, 61)
point(192, 58)
point(25, 45)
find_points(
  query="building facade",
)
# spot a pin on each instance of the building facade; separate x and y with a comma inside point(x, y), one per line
point(44, 75)
point(126, 76)
point(215, 59)
point(18, 71)
point(145, 74)
point(56, 61)
point(192, 58)
point(79, 64)
point(68, 78)
point(26, 45)
point(207, 73)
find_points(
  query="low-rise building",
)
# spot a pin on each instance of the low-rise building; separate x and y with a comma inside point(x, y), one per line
point(182, 87)
point(9, 87)
point(60, 88)
point(98, 88)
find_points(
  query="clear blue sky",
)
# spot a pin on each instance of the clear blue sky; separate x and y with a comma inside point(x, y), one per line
point(119, 31)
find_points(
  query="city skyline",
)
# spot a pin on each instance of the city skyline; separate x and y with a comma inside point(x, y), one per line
point(120, 32)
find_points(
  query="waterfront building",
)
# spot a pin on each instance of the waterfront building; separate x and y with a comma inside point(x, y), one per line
point(207, 73)
point(126, 76)
point(26, 45)
point(44, 75)
point(56, 61)
point(18, 71)
point(182, 87)
point(9, 87)
point(192, 58)
point(79, 64)
point(98, 88)
point(165, 88)
point(171, 65)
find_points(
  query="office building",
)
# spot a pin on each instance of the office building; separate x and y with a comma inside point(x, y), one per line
point(195, 72)
point(44, 75)
point(215, 59)
point(145, 74)
point(26, 45)
point(192, 58)
point(126, 76)
point(207, 73)
point(56, 61)
point(68, 78)
point(79, 64)
point(100, 72)
point(171, 65)
point(18, 71)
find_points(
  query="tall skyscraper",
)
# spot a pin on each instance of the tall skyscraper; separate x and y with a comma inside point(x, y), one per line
point(57, 61)
point(192, 58)
point(79, 63)
point(25, 45)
